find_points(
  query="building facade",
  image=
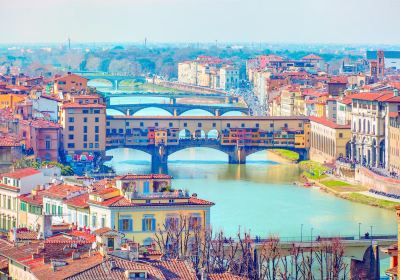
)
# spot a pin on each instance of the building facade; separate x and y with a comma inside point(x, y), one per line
point(329, 140)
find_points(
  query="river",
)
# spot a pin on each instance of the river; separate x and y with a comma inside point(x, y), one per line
point(260, 196)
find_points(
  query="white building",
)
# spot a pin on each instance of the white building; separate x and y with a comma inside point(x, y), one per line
point(228, 77)
point(13, 184)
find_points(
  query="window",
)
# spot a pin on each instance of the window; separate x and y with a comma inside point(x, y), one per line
point(96, 138)
point(199, 125)
point(47, 208)
point(194, 222)
point(71, 128)
point(60, 211)
point(71, 137)
point(85, 111)
point(85, 119)
point(54, 210)
point(125, 224)
point(90, 145)
point(23, 206)
point(103, 221)
point(156, 124)
point(271, 125)
point(85, 137)
point(146, 187)
point(214, 124)
point(171, 222)
point(148, 224)
point(184, 124)
point(243, 125)
point(257, 125)
point(71, 119)
point(85, 129)
point(85, 145)
point(170, 124)
point(94, 220)
point(96, 129)
point(340, 135)
point(71, 145)
point(48, 143)
point(110, 242)
point(228, 125)
point(97, 111)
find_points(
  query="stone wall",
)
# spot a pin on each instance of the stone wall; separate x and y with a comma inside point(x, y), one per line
point(377, 182)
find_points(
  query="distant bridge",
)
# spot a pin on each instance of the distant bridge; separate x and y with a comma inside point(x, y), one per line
point(172, 95)
point(176, 109)
point(114, 78)
point(235, 136)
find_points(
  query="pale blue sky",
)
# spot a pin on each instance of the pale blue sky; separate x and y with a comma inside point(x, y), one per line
point(298, 21)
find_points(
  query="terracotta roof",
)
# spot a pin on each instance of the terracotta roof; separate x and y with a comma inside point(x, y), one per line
point(61, 191)
point(79, 201)
point(393, 114)
point(86, 261)
point(311, 56)
point(121, 201)
point(102, 231)
point(328, 123)
point(21, 173)
point(72, 237)
point(160, 270)
point(25, 234)
point(225, 276)
point(77, 105)
point(9, 141)
point(369, 96)
point(40, 123)
point(36, 199)
point(51, 97)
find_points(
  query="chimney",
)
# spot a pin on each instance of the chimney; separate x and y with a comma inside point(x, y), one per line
point(396, 92)
point(76, 255)
point(113, 264)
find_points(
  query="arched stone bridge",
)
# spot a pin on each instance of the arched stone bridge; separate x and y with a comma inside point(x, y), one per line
point(238, 137)
point(115, 79)
point(176, 109)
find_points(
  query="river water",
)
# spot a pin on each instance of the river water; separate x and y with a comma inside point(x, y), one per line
point(259, 196)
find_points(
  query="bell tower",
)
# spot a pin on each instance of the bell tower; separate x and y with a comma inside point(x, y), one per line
point(380, 58)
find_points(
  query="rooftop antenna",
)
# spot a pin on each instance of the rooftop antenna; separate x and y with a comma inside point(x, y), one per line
point(145, 42)
point(69, 43)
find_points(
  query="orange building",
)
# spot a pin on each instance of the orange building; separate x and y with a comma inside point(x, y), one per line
point(83, 120)
point(10, 100)
point(70, 83)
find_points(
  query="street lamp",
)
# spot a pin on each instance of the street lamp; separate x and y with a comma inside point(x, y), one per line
point(371, 235)
point(359, 230)
point(301, 233)
point(311, 234)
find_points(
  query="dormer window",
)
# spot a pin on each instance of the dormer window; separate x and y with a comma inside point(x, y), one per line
point(135, 274)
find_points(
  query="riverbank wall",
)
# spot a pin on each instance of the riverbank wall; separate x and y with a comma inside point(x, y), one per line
point(377, 182)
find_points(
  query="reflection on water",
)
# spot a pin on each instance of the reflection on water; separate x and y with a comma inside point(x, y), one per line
point(260, 195)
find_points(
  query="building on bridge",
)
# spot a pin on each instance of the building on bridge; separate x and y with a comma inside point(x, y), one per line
point(236, 136)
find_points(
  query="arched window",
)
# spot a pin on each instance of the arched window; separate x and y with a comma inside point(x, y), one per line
point(359, 125)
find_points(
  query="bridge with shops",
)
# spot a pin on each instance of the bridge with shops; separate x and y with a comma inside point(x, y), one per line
point(238, 137)
point(177, 109)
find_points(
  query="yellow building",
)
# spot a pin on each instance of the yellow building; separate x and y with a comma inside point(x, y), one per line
point(329, 140)
point(30, 210)
point(320, 109)
point(140, 205)
point(394, 143)
point(9, 100)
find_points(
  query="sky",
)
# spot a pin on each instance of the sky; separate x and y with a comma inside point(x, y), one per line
point(270, 21)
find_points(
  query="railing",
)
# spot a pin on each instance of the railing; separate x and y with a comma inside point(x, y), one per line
point(153, 195)
point(318, 238)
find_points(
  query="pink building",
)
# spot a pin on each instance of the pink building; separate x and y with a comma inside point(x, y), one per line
point(42, 138)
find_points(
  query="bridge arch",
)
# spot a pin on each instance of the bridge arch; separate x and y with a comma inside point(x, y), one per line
point(213, 134)
point(108, 82)
point(197, 112)
point(234, 113)
point(200, 154)
point(184, 134)
point(115, 112)
point(152, 111)
point(199, 134)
